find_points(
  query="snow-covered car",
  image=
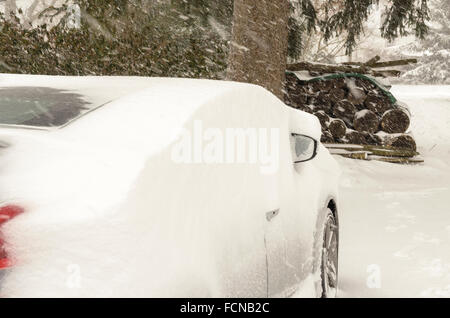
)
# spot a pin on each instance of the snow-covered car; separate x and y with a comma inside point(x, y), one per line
point(142, 187)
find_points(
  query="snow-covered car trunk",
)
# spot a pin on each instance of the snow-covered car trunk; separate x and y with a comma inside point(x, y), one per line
point(110, 212)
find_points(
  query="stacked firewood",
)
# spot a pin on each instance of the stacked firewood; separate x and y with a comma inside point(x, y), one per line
point(351, 109)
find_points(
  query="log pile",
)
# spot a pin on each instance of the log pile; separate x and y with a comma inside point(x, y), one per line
point(352, 108)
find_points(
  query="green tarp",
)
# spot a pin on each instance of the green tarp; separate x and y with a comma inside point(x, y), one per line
point(343, 75)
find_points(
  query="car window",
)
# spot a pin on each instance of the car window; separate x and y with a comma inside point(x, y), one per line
point(40, 106)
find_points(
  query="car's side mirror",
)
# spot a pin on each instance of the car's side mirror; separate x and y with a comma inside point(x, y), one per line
point(304, 148)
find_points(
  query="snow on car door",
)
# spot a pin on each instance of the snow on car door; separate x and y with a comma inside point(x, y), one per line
point(275, 242)
point(289, 231)
point(280, 272)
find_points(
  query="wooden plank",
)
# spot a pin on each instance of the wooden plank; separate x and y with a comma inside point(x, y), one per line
point(379, 153)
point(394, 63)
point(377, 150)
point(397, 160)
point(361, 155)
point(353, 67)
point(326, 68)
point(373, 60)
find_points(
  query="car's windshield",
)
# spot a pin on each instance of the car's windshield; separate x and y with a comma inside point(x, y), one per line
point(40, 106)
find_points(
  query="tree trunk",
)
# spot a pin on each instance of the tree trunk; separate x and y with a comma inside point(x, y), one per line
point(259, 42)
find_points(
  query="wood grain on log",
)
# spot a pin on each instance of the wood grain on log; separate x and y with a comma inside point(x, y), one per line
point(321, 102)
point(299, 99)
point(326, 137)
point(366, 121)
point(323, 118)
point(337, 95)
point(373, 139)
point(345, 111)
point(365, 84)
point(395, 121)
point(378, 103)
point(355, 137)
point(337, 128)
point(403, 141)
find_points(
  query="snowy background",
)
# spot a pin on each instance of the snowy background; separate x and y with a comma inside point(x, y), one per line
point(395, 219)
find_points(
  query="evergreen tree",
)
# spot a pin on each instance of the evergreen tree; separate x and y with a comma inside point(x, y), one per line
point(189, 38)
point(348, 16)
point(434, 50)
point(261, 41)
point(133, 37)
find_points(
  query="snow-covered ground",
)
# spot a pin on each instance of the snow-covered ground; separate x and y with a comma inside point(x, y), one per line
point(395, 219)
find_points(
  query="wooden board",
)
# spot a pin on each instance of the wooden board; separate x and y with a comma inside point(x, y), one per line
point(379, 153)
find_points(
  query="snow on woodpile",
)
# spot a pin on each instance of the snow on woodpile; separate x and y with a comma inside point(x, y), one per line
point(352, 109)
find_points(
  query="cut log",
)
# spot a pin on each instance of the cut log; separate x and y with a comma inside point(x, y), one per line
point(321, 86)
point(337, 128)
point(337, 95)
point(298, 100)
point(351, 111)
point(365, 84)
point(356, 96)
point(339, 83)
point(373, 139)
point(345, 111)
point(295, 95)
point(395, 121)
point(323, 118)
point(328, 86)
point(377, 103)
point(327, 137)
point(355, 137)
point(366, 121)
point(403, 141)
point(321, 102)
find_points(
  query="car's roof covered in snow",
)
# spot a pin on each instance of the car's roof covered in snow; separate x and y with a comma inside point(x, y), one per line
point(36, 101)
point(138, 104)
point(49, 102)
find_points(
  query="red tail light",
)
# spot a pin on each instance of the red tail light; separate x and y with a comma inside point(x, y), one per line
point(7, 212)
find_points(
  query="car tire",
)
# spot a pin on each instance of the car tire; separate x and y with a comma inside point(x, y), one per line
point(329, 256)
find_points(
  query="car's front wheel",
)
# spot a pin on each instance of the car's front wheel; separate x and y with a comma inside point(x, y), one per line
point(329, 256)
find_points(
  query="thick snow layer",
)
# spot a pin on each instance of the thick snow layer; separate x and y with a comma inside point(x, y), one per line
point(395, 219)
point(109, 212)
